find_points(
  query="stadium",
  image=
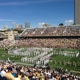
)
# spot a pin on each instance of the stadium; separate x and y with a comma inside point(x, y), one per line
point(55, 47)
point(45, 53)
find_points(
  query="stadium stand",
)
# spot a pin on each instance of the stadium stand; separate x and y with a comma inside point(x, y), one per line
point(55, 37)
point(52, 31)
point(2, 36)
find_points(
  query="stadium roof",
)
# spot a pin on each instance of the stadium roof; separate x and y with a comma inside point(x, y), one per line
point(2, 36)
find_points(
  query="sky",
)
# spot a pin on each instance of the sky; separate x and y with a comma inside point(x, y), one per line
point(35, 12)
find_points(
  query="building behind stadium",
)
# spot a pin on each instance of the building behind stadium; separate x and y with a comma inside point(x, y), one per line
point(77, 12)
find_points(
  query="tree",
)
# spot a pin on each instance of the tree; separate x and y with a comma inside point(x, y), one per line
point(61, 24)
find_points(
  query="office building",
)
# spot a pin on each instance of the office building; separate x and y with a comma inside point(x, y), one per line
point(18, 26)
point(27, 25)
point(77, 12)
point(45, 25)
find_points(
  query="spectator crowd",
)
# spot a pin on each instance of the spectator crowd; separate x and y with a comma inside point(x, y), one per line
point(12, 71)
point(66, 42)
point(50, 42)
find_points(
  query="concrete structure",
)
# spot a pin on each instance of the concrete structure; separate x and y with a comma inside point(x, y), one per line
point(10, 34)
point(77, 12)
point(27, 25)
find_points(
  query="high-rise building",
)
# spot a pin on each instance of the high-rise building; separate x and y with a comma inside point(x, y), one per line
point(46, 25)
point(18, 26)
point(27, 25)
point(77, 11)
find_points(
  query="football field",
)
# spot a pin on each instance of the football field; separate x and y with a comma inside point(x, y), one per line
point(66, 62)
point(56, 60)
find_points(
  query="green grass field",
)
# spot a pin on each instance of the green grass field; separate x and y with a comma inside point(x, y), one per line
point(5, 56)
point(56, 61)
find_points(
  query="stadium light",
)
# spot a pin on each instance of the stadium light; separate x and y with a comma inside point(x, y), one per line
point(66, 22)
point(13, 24)
point(41, 24)
point(70, 21)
